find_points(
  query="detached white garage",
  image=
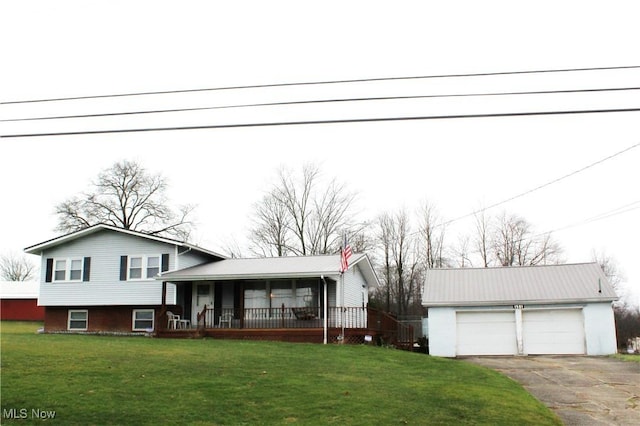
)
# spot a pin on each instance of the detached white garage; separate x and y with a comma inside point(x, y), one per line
point(535, 310)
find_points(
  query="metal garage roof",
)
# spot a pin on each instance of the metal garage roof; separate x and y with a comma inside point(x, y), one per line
point(19, 289)
point(583, 282)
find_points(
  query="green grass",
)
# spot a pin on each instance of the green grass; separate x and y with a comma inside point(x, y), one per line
point(628, 357)
point(137, 380)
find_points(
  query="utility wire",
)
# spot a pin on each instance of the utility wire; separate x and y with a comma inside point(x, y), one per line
point(318, 101)
point(606, 215)
point(309, 83)
point(544, 185)
point(615, 212)
point(316, 122)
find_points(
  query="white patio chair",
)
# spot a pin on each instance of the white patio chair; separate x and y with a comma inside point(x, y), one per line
point(226, 319)
point(172, 320)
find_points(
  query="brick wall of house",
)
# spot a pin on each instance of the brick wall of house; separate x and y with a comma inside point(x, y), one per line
point(100, 318)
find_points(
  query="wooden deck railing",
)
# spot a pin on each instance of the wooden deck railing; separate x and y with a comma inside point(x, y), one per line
point(386, 328)
point(283, 317)
point(389, 329)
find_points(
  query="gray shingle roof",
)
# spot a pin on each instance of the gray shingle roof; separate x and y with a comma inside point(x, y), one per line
point(517, 285)
point(270, 267)
point(38, 248)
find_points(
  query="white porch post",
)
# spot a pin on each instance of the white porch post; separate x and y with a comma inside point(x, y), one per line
point(325, 321)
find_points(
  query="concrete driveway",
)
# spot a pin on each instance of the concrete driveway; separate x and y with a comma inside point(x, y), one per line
point(581, 390)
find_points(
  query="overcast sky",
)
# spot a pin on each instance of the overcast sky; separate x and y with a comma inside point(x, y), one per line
point(70, 49)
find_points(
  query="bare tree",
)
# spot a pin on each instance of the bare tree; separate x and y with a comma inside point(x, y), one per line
point(232, 249)
point(515, 244)
point(402, 270)
point(126, 196)
point(433, 231)
point(610, 268)
point(301, 216)
point(269, 235)
point(14, 267)
point(295, 198)
point(461, 252)
point(360, 237)
point(329, 214)
point(385, 238)
point(482, 237)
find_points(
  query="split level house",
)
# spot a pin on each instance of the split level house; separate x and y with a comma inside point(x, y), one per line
point(104, 279)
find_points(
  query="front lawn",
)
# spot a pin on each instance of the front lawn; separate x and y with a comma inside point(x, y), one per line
point(137, 380)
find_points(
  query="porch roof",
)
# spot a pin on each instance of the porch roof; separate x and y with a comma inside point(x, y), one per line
point(271, 268)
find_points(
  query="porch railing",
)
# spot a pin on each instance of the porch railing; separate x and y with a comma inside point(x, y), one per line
point(390, 330)
point(385, 327)
point(283, 317)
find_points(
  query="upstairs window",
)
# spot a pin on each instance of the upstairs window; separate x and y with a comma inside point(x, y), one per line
point(153, 266)
point(60, 273)
point(75, 271)
point(68, 269)
point(135, 268)
point(141, 267)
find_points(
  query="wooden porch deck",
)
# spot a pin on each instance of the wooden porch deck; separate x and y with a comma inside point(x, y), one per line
point(383, 329)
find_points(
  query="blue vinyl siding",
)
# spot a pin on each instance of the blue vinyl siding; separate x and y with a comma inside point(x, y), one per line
point(105, 249)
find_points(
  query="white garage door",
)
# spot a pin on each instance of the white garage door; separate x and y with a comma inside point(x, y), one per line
point(486, 333)
point(558, 331)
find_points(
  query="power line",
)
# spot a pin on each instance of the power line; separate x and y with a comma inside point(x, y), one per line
point(544, 185)
point(614, 212)
point(309, 83)
point(316, 122)
point(606, 215)
point(269, 104)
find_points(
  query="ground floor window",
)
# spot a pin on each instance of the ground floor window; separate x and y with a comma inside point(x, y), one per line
point(78, 320)
point(143, 319)
point(275, 293)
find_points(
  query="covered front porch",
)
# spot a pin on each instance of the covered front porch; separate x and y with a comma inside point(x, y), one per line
point(293, 310)
point(297, 298)
point(258, 304)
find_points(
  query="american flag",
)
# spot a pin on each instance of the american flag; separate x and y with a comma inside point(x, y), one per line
point(345, 254)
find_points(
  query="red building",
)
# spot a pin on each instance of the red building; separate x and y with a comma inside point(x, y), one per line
point(19, 301)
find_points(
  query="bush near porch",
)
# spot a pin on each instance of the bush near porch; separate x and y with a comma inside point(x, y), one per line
point(138, 380)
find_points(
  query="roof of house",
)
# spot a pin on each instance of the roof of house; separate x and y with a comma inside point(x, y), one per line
point(583, 282)
point(19, 289)
point(37, 248)
point(271, 268)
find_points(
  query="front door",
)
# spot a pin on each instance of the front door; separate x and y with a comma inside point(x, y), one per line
point(204, 297)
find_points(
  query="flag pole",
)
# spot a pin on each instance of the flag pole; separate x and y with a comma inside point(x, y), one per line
point(343, 307)
point(345, 253)
point(342, 256)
